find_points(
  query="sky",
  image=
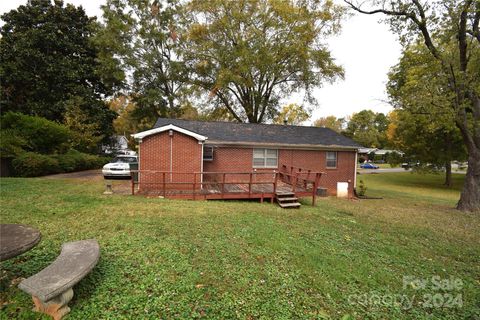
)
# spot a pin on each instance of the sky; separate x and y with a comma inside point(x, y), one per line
point(366, 49)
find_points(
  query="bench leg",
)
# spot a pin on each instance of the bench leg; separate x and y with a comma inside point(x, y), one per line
point(56, 307)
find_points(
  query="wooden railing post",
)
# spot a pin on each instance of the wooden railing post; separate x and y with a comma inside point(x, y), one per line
point(194, 184)
point(275, 182)
point(223, 185)
point(315, 186)
point(164, 186)
point(250, 184)
point(294, 185)
point(133, 185)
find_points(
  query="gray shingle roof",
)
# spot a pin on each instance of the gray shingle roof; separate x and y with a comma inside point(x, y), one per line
point(248, 133)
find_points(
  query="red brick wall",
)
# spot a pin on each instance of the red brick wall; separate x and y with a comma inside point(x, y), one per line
point(232, 159)
point(154, 152)
point(155, 155)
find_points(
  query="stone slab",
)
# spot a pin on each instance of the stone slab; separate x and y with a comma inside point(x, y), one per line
point(75, 261)
point(16, 239)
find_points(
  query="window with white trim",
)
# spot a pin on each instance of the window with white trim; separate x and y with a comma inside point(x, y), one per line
point(207, 153)
point(265, 158)
point(331, 159)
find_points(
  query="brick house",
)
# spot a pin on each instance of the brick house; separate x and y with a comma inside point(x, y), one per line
point(175, 149)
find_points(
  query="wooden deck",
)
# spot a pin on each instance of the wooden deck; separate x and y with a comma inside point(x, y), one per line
point(231, 191)
point(302, 184)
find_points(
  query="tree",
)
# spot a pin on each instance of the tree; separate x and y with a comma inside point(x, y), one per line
point(144, 37)
point(86, 135)
point(246, 55)
point(292, 114)
point(424, 139)
point(450, 32)
point(47, 58)
point(414, 89)
point(129, 120)
point(331, 122)
point(368, 128)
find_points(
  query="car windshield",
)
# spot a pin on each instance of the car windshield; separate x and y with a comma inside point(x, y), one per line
point(124, 159)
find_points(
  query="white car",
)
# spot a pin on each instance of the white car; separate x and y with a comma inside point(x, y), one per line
point(119, 167)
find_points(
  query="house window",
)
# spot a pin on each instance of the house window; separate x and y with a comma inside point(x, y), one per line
point(331, 159)
point(207, 153)
point(265, 158)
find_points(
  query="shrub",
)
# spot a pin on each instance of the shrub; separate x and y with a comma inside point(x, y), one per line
point(11, 144)
point(43, 136)
point(362, 188)
point(81, 161)
point(31, 164)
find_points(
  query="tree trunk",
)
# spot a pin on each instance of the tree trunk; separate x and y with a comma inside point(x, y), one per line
point(470, 197)
point(448, 173)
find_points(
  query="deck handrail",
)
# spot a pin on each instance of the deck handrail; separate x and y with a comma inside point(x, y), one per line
point(208, 172)
point(274, 182)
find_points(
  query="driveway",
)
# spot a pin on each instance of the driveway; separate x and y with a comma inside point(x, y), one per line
point(118, 186)
point(81, 175)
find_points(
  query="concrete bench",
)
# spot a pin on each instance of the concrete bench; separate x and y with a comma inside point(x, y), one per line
point(51, 288)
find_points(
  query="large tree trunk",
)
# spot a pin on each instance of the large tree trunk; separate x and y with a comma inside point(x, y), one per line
point(470, 197)
point(448, 173)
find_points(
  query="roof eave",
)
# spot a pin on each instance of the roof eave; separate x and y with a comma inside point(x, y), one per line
point(143, 134)
point(246, 144)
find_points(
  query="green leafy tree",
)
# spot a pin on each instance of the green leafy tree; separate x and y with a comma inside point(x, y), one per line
point(247, 55)
point(292, 114)
point(424, 139)
point(394, 159)
point(418, 128)
point(144, 37)
point(368, 128)
point(47, 58)
point(450, 33)
point(331, 122)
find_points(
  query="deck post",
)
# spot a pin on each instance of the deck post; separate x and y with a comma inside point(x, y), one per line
point(315, 186)
point(194, 184)
point(223, 185)
point(164, 186)
point(133, 185)
point(275, 182)
point(250, 185)
point(294, 184)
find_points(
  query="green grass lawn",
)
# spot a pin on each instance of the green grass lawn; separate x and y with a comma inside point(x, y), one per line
point(221, 260)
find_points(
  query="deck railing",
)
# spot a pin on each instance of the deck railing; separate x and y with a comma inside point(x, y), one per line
point(215, 185)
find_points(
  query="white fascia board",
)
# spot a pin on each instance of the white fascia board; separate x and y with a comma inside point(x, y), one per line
point(150, 132)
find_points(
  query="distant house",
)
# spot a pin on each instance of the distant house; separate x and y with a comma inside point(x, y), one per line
point(119, 144)
point(186, 152)
point(380, 154)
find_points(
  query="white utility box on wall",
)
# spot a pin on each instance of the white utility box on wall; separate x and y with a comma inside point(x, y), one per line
point(342, 189)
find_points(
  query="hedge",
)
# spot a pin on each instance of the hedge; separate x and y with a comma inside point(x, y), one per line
point(31, 164)
point(41, 135)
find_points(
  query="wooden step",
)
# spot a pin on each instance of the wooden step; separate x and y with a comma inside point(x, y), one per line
point(287, 199)
point(284, 194)
point(290, 205)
